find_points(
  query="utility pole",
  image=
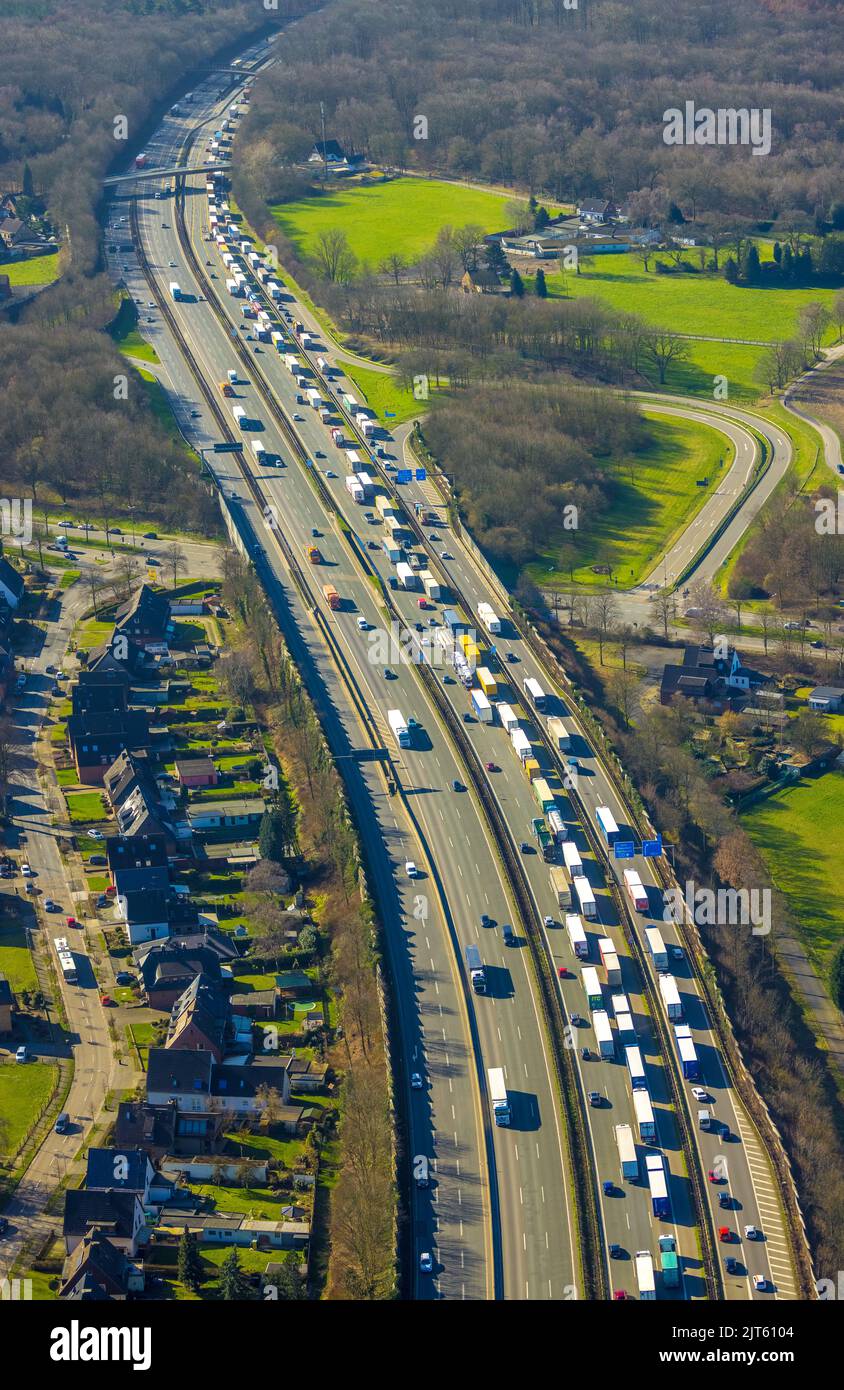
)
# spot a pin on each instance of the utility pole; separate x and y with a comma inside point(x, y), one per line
point(324, 151)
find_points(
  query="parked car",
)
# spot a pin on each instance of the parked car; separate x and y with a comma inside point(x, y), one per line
point(22, 1054)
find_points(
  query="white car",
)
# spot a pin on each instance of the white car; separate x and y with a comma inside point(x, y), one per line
point(363, 624)
point(760, 1283)
point(426, 1263)
point(699, 1093)
point(410, 868)
point(415, 1081)
point(26, 871)
point(752, 1233)
point(95, 834)
point(677, 952)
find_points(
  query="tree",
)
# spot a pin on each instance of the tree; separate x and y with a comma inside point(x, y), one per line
point(289, 1279)
point(394, 265)
point(27, 185)
point(334, 256)
point(836, 978)
point(663, 348)
point(191, 1270)
point(233, 1283)
point(176, 560)
point(664, 605)
point(517, 285)
point(277, 833)
point(622, 687)
point(809, 731)
point(540, 287)
point(604, 610)
point(518, 215)
point(813, 322)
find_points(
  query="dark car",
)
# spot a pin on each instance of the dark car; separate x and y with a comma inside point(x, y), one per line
point(124, 977)
point(150, 536)
point(724, 1199)
point(456, 786)
point(98, 859)
point(62, 1124)
point(507, 935)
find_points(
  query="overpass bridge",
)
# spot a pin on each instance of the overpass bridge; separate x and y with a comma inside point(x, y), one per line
point(175, 170)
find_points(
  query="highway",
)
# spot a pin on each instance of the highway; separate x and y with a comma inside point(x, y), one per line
point(532, 1246)
point(528, 1195)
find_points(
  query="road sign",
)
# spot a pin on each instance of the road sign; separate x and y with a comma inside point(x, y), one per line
point(421, 475)
point(236, 448)
point(624, 849)
point(652, 849)
point(404, 475)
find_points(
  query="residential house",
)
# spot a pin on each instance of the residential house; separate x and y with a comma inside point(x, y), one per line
point(145, 620)
point(826, 699)
point(12, 232)
point(99, 1269)
point(199, 1018)
point(259, 1004)
point(100, 692)
point(232, 1228)
point(126, 1170)
point(704, 676)
point(118, 1215)
point(480, 282)
point(331, 152)
point(145, 914)
point(128, 772)
point(9, 205)
point(96, 741)
point(238, 1087)
point(194, 773)
point(138, 863)
point(11, 584)
point(7, 1005)
point(597, 210)
point(183, 1077)
point(223, 817)
point(167, 971)
point(148, 1127)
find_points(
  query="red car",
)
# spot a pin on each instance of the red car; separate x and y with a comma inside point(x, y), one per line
point(71, 921)
point(725, 1234)
point(491, 767)
point(619, 1296)
point(107, 1000)
point(564, 973)
point(715, 1176)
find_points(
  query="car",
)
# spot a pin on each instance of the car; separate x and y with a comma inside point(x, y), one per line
point(152, 560)
point(415, 1081)
point(363, 625)
point(525, 847)
point(752, 1233)
point(486, 920)
point(329, 473)
point(491, 767)
point(426, 1264)
point(150, 303)
point(507, 935)
point(725, 1200)
point(817, 643)
point(608, 1186)
point(106, 1001)
point(195, 414)
point(124, 977)
point(467, 718)
point(564, 972)
point(731, 1264)
point(512, 658)
point(578, 1021)
point(298, 417)
point(103, 900)
point(50, 670)
point(115, 530)
point(619, 1295)
point(388, 674)
point(448, 680)
point(410, 868)
point(66, 524)
point(72, 922)
point(677, 952)
point(98, 859)
point(22, 1054)
point(447, 555)
point(172, 265)
point(760, 1283)
point(548, 921)
point(420, 627)
point(51, 906)
point(150, 536)
point(595, 1098)
point(457, 786)
point(26, 870)
point(585, 1054)
point(62, 1124)
point(700, 1094)
point(725, 1235)
point(30, 887)
point(94, 834)
point(319, 454)
point(434, 537)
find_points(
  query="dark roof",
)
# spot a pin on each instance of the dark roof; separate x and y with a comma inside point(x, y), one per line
point(107, 730)
point(6, 995)
point(248, 1079)
point(146, 905)
point(83, 1208)
point(203, 1005)
point(86, 1290)
point(190, 767)
point(827, 692)
point(136, 851)
point(593, 204)
point(183, 1072)
point(330, 149)
point(10, 577)
point(100, 1173)
point(146, 609)
point(145, 1126)
point(174, 962)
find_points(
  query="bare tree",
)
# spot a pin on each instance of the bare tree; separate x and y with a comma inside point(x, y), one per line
point(176, 560)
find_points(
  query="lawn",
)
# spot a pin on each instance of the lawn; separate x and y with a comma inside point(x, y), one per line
point(384, 395)
point(85, 806)
point(258, 1202)
point(15, 958)
point(706, 361)
point(402, 216)
point(796, 830)
point(24, 1091)
point(40, 270)
point(647, 514)
point(704, 304)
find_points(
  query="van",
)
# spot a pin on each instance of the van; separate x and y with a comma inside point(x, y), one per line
point(21, 1055)
point(62, 1124)
point(420, 1170)
point(704, 1119)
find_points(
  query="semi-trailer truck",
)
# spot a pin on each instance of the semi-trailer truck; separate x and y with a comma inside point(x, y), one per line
point(656, 946)
point(686, 1051)
point(671, 1001)
point(489, 618)
point(557, 826)
point(545, 798)
point(175, 292)
point(645, 1275)
point(331, 596)
point(480, 704)
point(475, 967)
point(636, 890)
point(572, 859)
point(644, 1113)
point(585, 898)
point(610, 962)
point(508, 718)
point(606, 823)
point(560, 735)
point(627, 1152)
point(592, 987)
point(398, 724)
point(604, 1034)
point(561, 885)
point(498, 1096)
point(658, 1185)
point(577, 936)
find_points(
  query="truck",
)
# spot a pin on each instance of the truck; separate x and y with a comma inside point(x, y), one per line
point(508, 718)
point(475, 967)
point(498, 1096)
point(234, 288)
point(644, 1112)
point(560, 736)
point(577, 936)
point(259, 451)
point(487, 681)
point(534, 693)
point(545, 799)
point(521, 743)
point(636, 891)
point(645, 1275)
point(232, 375)
point(432, 586)
point(572, 859)
point(175, 292)
point(609, 960)
point(331, 595)
point(604, 1034)
point(670, 1266)
point(627, 1152)
point(624, 1024)
point(532, 770)
point(605, 822)
point(354, 488)
point(656, 947)
point(392, 551)
point(239, 416)
point(398, 724)
point(585, 897)
point(671, 1001)
point(561, 885)
point(313, 554)
point(658, 1184)
point(592, 987)
point(480, 705)
point(226, 388)
point(489, 618)
point(686, 1051)
point(385, 506)
point(636, 1068)
point(405, 574)
point(557, 826)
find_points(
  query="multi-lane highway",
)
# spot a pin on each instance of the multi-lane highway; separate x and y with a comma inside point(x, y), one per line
point(499, 1217)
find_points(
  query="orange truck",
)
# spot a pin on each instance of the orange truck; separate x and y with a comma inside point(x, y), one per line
point(313, 554)
point(331, 595)
point(226, 388)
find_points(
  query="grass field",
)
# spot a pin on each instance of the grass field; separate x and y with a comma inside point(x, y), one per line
point(646, 514)
point(403, 216)
point(41, 270)
point(85, 806)
point(383, 395)
point(15, 958)
point(696, 376)
point(126, 336)
point(704, 304)
point(798, 831)
point(24, 1091)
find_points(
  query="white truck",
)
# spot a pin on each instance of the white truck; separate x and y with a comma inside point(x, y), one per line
point(627, 1152)
point(406, 576)
point(489, 618)
point(656, 946)
point(561, 885)
point(645, 1275)
point(398, 724)
point(636, 891)
point(572, 859)
point(508, 718)
point(475, 967)
point(175, 292)
point(560, 735)
point(671, 1001)
point(521, 743)
point(480, 705)
point(498, 1096)
point(604, 1034)
point(585, 897)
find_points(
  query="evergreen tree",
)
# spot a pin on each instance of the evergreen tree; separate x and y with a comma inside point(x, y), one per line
point(751, 269)
point(517, 285)
point(777, 253)
point(288, 1280)
point(540, 286)
point(787, 263)
point(27, 186)
point(731, 271)
point(836, 978)
point(233, 1283)
point(541, 220)
point(278, 829)
point(495, 259)
point(190, 1261)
